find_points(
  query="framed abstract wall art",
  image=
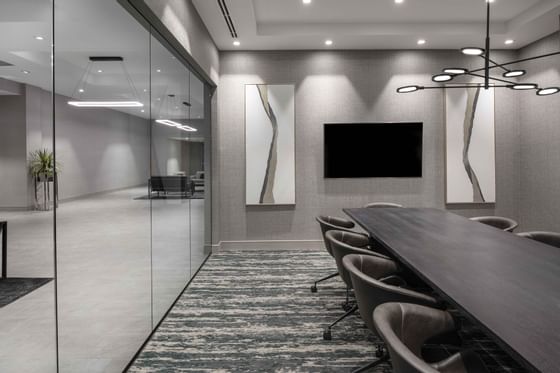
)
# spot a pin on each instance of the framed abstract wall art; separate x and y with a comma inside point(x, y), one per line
point(270, 144)
point(470, 146)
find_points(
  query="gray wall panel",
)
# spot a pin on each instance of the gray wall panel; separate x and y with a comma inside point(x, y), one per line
point(346, 86)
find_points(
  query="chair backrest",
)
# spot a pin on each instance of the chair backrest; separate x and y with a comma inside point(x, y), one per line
point(375, 205)
point(328, 223)
point(404, 328)
point(343, 243)
point(549, 238)
point(368, 274)
point(505, 224)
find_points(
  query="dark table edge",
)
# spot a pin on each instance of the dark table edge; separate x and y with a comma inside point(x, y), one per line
point(514, 354)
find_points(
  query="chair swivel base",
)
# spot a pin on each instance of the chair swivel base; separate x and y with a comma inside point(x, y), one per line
point(314, 286)
point(384, 358)
point(327, 335)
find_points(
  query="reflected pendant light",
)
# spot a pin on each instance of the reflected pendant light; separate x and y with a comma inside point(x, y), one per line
point(80, 91)
point(173, 122)
point(489, 64)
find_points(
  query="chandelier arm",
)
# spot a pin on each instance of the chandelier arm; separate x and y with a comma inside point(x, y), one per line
point(496, 64)
point(519, 61)
point(492, 78)
point(470, 86)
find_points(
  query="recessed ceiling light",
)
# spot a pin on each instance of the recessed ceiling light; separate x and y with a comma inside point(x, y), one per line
point(455, 70)
point(514, 73)
point(548, 91)
point(81, 90)
point(142, 111)
point(237, 43)
point(306, 1)
point(509, 41)
point(25, 71)
point(421, 41)
point(99, 71)
point(489, 1)
point(399, 1)
point(145, 90)
point(328, 42)
point(525, 86)
point(39, 38)
point(409, 89)
point(158, 70)
point(473, 51)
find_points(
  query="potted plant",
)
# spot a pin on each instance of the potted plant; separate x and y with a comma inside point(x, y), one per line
point(43, 169)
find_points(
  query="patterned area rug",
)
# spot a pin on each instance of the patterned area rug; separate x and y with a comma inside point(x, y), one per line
point(11, 289)
point(252, 311)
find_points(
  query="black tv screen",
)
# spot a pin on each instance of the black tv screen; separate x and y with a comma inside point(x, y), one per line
point(355, 150)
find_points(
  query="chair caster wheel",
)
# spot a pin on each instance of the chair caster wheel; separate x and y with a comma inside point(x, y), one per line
point(327, 335)
point(346, 307)
point(379, 352)
point(313, 289)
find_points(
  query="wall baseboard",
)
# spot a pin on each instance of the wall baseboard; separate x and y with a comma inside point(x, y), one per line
point(268, 245)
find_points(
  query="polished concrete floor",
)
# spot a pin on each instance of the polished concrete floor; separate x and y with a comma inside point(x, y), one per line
point(116, 258)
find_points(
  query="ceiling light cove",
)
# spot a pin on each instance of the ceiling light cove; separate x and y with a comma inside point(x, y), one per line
point(421, 41)
point(106, 103)
point(328, 42)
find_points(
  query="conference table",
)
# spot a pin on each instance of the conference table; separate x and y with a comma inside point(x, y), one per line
point(509, 285)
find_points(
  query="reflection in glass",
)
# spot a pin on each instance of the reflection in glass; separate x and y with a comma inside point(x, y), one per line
point(27, 303)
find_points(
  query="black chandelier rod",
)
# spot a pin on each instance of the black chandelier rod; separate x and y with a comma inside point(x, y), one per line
point(519, 61)
point(487, 54)
point(464, 86)
point(491, 78)
point(496, 64)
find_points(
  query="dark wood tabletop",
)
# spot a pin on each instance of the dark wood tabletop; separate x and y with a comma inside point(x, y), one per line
point(508, 284)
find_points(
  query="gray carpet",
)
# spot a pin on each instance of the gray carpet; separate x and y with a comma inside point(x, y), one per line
point(11, 289)
point(252, 311)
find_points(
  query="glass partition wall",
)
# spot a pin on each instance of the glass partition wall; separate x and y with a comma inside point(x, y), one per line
point(104, 139)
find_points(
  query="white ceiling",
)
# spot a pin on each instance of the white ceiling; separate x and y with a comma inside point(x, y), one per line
point(378, 24)
point(87, 28)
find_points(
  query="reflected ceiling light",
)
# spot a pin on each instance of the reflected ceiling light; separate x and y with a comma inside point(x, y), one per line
point(473, 51)
point(38, 37)
point(145, 90)
point(455, 70)
point(99, 71)
point(524, 86)
point(81, 90)
point(25, 72)
point(328, 42)
point(514, 73)
point(142, 111)
point(236, 43)
point(548, 91)
point(172, 123)
point(442, 78)
point(409, 89)
point(158, 70)
point(421, 41)
point(306, 1)
point(106, 103)
point(484, 72)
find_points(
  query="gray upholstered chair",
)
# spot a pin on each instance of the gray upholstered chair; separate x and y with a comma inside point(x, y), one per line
point(549, 238)
point(505, 224)
point(343, 243)
point(406, 327)
point(374, 205)
point(375, 282)
point(328, 223)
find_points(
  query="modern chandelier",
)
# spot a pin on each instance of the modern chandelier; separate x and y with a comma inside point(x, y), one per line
point(448, 74)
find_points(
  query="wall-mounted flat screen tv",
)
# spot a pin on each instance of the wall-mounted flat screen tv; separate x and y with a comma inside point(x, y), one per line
point(354, 150)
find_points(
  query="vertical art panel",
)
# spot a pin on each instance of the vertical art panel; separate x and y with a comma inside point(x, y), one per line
point(470, 146)
point(269, 145)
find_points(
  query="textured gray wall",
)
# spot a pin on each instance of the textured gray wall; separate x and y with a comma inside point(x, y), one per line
point(182, 20)
point(345, 86)
point(539, 204)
